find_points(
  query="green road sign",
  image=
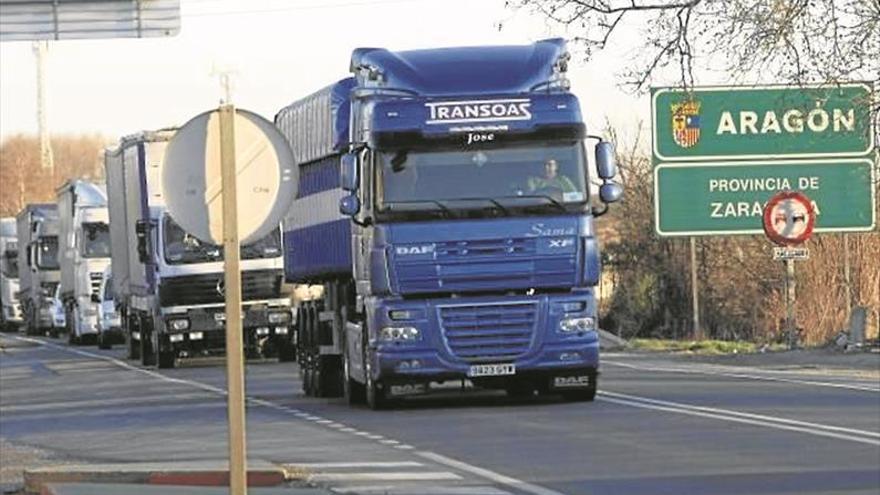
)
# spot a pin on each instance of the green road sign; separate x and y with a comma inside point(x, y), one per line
point(732, 123)
point(723, 198)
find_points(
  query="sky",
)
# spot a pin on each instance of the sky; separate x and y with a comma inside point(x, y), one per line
point(279, 50)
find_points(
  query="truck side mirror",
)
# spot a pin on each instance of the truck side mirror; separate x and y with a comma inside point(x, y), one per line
point(349, 205)
point(606, 166)
point(610, 192)
point(142, 231)
point(348, 172)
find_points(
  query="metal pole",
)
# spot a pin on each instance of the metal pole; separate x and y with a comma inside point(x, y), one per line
point(40, 49)
point(234, 344)
point(698, 332)
point(846, 276)
point(790, 323)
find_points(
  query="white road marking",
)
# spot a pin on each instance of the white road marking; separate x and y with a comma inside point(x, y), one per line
point(722, 371)
point(745, 418)
point(421, 490)
point(348, 465)
point(490, 475)
point(447, 461)
point(384, 476)
point(101, 402)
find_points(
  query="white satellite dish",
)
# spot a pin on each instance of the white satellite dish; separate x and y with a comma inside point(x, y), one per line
point(266, 177)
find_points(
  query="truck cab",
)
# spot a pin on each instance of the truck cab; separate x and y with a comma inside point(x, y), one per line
point(85, 253)
point(10, 307)
point(39, 268)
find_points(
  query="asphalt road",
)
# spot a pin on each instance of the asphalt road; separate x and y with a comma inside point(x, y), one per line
point(659, 426)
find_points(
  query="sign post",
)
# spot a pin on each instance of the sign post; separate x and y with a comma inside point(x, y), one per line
point(205, 163)
point(788, 220)
point(232, 282)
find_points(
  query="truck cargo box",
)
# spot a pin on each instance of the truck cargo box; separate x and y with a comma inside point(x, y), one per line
point(317, 235)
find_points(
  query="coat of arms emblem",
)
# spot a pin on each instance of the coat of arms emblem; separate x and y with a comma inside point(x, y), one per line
point(686, 123)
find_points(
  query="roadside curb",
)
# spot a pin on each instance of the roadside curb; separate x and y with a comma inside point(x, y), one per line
point(260, 474)
point(128, 489)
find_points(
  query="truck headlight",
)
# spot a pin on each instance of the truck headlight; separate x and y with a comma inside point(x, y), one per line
point(178, 324)
point(398, 334)
point(579, 324)
point(279, 317)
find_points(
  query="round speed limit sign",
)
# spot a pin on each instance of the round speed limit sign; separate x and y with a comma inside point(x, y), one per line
point(789, 218)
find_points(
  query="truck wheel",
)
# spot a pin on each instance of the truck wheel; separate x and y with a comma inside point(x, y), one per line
point(166, 359)
point(148, 356)
point(374, 394)
point(330, 376)
point(305, 377)
point(354, 392)
point(583, 395)
point(286, 352)
point(134, 347)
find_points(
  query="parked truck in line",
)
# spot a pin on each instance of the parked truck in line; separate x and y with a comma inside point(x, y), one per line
point(39, 271)
point(84, 236)
point(444, 207)
point(169, 286)
point(10, 308)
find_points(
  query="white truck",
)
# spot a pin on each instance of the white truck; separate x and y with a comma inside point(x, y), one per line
point(39, 271)
point(84, 236)
point(168, 285)
point(10, 309)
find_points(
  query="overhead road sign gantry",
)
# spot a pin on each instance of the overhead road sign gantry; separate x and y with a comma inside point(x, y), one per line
point(35, 20)
point(761, 122)
point(722, 198)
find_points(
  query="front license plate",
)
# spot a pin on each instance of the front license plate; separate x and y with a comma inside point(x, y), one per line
point(492, 370)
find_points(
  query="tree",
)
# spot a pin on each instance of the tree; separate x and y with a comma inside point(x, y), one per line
point(793, 41)
point(23, 180)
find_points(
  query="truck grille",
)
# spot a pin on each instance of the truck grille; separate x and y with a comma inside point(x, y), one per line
point(209, 289)
point(490, 332)
point(95, 281)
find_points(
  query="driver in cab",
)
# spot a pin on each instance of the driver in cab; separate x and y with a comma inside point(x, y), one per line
point(551, 179)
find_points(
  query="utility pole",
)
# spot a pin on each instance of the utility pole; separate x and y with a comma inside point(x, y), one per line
point(40, 51)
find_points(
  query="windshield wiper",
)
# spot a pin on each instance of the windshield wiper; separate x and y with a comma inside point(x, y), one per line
point(390, 206)
point(494, 203)
point(545, 197)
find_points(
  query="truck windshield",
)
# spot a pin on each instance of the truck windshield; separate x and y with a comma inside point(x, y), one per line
point(47, 253)
point(9, 264)
point(96, 240)
point(182, 247)
point(537, 178)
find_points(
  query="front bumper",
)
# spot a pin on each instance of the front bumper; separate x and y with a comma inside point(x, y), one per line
point(438, 354)
point(206, 331)
point(12, 314)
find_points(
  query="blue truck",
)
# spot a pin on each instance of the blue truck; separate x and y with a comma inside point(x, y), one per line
point(444, 211)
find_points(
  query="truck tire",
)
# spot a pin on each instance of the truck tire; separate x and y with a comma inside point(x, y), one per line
point(286, 352)
point(166, 359)
point(375, 394)
point(329, 377)
point(103, 343)
point(354, 392)
point(148, 352)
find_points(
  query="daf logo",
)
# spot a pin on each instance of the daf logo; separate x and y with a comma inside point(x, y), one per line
point(221, 287)
point(561, 243)
point(414, 250)
point(571, 381)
